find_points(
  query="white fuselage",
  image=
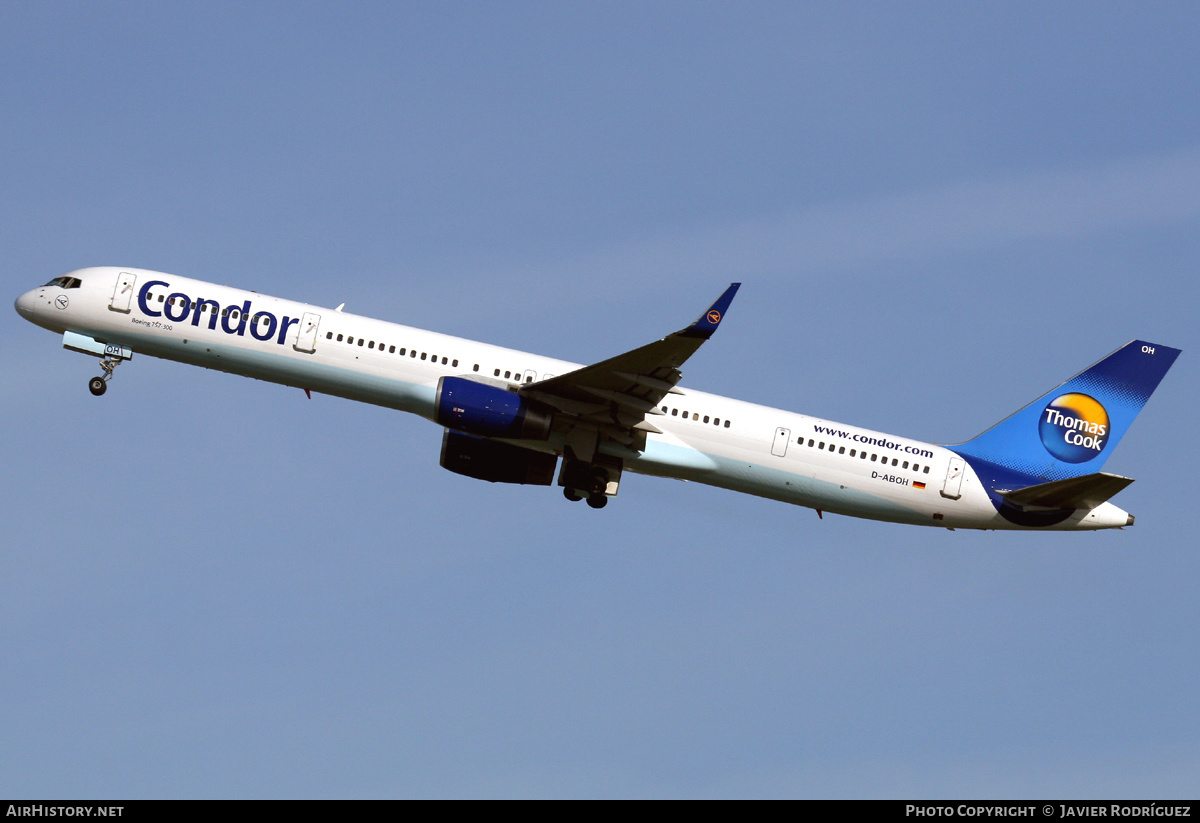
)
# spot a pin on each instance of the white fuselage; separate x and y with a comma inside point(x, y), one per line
point(831, 467)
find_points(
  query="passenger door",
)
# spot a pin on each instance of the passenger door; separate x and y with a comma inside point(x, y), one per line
point(123, 292)
point(952, 488)
point(306, 337)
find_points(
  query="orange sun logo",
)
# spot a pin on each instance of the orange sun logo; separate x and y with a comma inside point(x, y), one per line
point(714, 317)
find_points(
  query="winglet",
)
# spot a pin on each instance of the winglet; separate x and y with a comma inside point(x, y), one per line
point(707, 323)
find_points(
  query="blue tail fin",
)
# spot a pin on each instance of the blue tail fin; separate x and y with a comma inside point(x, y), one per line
point(1071, 431)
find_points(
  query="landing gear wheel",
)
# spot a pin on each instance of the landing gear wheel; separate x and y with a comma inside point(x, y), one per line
point(598, 483)
point(572, 495)
point(597, 501)
point(97, 386)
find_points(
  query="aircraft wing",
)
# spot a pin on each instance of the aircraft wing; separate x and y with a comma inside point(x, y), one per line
point(616, 395)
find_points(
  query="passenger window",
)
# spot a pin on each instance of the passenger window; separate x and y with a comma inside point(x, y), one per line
point(716, 421)
point(403, 352)
point(821, 445)
point(422, 355)
point(391, 349)
point(476, 367)
point(706, 418)
point(339, 338)
point(674, 412)
point(361, 341)
point(926, 470)
point(507, 375)
point(372, 345)
point(350, 340)
point(905, 466)
point(842, 450)
point(811, 442)
point(874, 457)
point(496, 373)
point(444, 360)
point(726, 424)
point(852, 453)
point(328, 335)
point(455, 364)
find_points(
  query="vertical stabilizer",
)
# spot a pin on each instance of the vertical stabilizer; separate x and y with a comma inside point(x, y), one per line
point(1071, 431)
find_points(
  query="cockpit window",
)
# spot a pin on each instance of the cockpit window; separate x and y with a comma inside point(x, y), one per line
point(65, 282)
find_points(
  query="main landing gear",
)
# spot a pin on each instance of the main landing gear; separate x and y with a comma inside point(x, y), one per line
point(98, 385)
point(587, 481)
point(597, 500)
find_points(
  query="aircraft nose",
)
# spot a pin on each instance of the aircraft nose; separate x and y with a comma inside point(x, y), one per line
point(24, 305)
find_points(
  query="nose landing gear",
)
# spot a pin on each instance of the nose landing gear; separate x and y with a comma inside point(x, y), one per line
point(110, 355)
point(98, 385)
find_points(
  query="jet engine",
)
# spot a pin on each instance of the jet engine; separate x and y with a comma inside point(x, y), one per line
point(491, 411)
point(495, 461)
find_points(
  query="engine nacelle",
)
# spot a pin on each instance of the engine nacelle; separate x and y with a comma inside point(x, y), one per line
point(478, 408)
point(496, 462)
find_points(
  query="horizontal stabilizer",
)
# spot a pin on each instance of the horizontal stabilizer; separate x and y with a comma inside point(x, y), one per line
point(1086, 492)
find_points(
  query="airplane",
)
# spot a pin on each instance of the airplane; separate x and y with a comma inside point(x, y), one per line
point(508, 416)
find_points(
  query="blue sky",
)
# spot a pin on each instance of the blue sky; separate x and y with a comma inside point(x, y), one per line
point(213, 587)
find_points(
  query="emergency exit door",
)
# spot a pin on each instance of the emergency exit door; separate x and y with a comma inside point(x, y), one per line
point(779, 446)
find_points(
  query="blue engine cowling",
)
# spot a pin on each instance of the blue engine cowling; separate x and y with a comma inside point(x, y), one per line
point(491, 411)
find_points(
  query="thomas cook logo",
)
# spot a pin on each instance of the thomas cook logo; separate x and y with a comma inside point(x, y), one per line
point(714, 317)
point(1074, 427)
